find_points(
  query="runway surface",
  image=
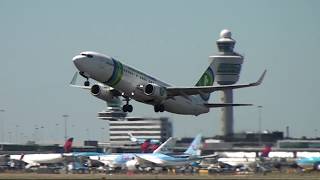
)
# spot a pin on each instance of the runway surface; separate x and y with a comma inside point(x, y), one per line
point(150, 176)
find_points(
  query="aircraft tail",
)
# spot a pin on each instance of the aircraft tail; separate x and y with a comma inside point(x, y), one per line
point(207, 79)
point(68, 145)
point(194, 148)
point(265, 151)
point(132, 138)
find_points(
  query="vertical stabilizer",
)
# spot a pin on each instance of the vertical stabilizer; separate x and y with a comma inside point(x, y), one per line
point(68, 145)
point(132, 138)
point(206, 79)
point(194, 148)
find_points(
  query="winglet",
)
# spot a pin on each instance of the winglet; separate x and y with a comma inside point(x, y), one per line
point(260, 79)
point(74, 79)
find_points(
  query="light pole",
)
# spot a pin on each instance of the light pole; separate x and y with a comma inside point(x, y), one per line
point(260, 111)
point(2, 126)
point(17, 134)
point(36, 130)
point(87, 130)
point(72, 133)
point(65, 117)
point(57, 132)
point(9, 133)
point(41, 134)
point(21, 137)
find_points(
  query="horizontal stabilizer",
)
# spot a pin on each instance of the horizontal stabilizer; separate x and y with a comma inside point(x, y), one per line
point(185, 91)
point(217, 105)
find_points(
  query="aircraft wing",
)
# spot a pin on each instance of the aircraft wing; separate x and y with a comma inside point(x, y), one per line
point(217, 105)
point(166, 146)
point(210, 156)
point(185, 91)
point(148, 159)
point(74, 80)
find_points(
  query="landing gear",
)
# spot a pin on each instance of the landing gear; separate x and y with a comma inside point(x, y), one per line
point(127, 107)
point(87, 83)
point(158, 108)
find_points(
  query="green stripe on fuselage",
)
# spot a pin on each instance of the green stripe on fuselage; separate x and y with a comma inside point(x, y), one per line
point(117, 73)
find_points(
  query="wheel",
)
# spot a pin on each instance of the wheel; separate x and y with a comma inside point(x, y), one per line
point(156, 108)
point(316, 166)
point(161, 107)
point(86, 83)
point(129, 108)
point(125, 108)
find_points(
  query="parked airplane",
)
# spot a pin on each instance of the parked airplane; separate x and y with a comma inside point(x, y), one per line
point(34, 160)
point(192, 154)
point(141, 140)
point(119, 79)
point(238, 159)
point(309, 163)
point(115, 161)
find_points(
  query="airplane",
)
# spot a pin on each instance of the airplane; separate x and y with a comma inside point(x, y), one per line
point(141, 140)
point(158, 159)
point(35, 160)
point(118, 79)
point(309, 163)
point(119, 161)
point(147, 145)
point(238, 159)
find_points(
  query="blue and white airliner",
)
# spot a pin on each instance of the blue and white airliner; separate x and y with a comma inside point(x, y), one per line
point(118, 79)
point(161, 157)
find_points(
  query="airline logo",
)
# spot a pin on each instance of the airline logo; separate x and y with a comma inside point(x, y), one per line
point(116, 74)
point(206, 79)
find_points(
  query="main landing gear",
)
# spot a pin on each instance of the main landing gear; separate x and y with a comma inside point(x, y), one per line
point(127, 107)
point(158, 108)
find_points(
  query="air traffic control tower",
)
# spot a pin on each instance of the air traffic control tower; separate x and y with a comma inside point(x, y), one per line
point(227, 67)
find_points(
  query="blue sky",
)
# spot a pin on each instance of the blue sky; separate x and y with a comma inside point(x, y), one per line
point(170, 40)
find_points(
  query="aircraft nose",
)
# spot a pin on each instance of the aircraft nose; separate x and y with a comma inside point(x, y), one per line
point(78, 61)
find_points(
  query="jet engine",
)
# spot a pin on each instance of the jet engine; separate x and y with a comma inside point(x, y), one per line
point(132, 165)
point(156, 92)
point(102, 93)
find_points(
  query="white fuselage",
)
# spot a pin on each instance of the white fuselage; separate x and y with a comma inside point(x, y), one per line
point(37, 159)
point(129, 81)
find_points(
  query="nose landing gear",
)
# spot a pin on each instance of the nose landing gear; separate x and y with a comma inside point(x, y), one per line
point(87, 83)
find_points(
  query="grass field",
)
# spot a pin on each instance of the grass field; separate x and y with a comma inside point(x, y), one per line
point(305, 176)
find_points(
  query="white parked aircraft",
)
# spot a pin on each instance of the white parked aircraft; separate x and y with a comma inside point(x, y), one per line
point(142, 140)
point(33, 160)
point(118, 79)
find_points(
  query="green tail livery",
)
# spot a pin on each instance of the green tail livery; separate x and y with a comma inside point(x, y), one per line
point(206, 79)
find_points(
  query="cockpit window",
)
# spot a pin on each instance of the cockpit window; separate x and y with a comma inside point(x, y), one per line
point(87, 55)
